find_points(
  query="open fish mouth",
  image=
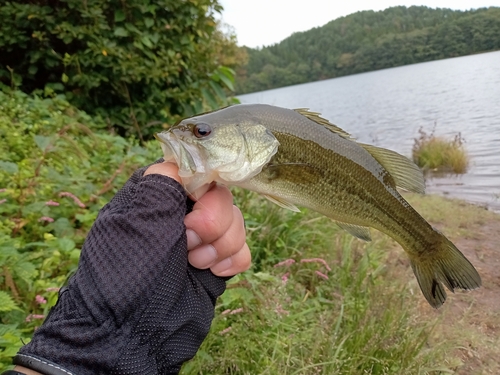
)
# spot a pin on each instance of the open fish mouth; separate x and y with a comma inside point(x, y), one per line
point(193, 169)
point(185, 154)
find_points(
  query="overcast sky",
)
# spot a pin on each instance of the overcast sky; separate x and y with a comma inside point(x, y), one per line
point(264, 22)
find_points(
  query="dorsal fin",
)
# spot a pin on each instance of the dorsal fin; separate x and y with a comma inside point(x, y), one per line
point(406, 174)
point(315, 116)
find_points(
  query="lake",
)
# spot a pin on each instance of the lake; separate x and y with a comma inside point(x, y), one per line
point(388, 107)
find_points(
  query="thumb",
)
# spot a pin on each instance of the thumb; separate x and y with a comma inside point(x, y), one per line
point(172, 170)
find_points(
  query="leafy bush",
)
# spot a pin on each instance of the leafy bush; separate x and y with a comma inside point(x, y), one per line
point(57, 169)
point(136, 63)
point(432, 152)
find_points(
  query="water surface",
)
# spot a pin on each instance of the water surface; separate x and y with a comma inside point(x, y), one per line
point(387, 108)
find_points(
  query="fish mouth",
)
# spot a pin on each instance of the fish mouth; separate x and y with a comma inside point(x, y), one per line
point(187, 155)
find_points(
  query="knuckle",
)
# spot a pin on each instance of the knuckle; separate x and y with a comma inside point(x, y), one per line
point(210, 222)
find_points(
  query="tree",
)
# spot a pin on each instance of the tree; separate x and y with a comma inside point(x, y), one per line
point(132, 61)
point(370, 40)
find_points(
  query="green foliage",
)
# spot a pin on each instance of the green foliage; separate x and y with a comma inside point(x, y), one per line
point(439, 153)
point(369, 40)
point(137, 63)
point(58, 168)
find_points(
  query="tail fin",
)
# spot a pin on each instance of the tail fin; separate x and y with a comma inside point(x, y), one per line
point(449, 267)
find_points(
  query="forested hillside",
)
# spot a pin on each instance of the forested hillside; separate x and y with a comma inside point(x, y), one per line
point(369, 40)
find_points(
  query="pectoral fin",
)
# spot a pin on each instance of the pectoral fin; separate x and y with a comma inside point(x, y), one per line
point(363, 233)
point(282, 203)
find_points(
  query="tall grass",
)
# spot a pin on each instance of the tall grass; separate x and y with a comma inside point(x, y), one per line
point(433, 152)
point(341, 311)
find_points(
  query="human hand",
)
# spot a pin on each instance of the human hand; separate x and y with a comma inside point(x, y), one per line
point(134, 299)
point(215, 227)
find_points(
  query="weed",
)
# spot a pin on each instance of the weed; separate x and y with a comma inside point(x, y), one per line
point(437, 153)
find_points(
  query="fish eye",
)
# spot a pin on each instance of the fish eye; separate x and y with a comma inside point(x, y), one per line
point(202, 130)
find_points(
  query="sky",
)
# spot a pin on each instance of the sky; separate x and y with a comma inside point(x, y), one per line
point(260, 23)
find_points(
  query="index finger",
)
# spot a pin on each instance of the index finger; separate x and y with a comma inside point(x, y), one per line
point(212, 214)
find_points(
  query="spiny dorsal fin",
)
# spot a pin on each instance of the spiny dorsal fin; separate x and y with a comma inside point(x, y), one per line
point(363, 233)
point(406, 174)
point(281, 202)
point(315, 116)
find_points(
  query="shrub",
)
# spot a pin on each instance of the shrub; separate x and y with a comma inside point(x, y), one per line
point(57, 169)
point(133, 62)
point(432, 152)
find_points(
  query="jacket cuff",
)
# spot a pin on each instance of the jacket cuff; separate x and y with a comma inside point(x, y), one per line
point(40, 365)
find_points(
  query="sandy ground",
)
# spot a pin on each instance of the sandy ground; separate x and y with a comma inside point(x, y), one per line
point(469, 320)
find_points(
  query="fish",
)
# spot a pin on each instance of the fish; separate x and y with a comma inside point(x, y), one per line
point(295, 157)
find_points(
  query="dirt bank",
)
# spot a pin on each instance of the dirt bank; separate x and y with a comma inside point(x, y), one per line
point(470, 322)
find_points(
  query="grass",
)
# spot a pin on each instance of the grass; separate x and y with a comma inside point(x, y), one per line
point(438, 153)
point(351, 310)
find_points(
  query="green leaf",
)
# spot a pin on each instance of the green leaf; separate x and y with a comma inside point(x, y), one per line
point(43, 142)
point(209, 97)
point(218, 90)
point(36, 244)
point(149, 22)
point(6, 302)
point(33, 207)
point(7, 328)
point(74, 255)
point(33, 69)
point(154, 38)
point(8, 167)
point(66, 244)
point(146, 41)
point(25, 270)
point(228, 72)
point(120, 31)
point(63, 227)
point(227, 81)
point(119, 15)
point(132, 28)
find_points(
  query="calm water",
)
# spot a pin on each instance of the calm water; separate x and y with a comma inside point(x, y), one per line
point(388, 107)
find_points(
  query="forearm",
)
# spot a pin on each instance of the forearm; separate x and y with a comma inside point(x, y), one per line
point(26, 371)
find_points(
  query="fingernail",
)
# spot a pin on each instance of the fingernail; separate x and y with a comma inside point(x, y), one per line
point(203, 256)
point(193, 239)
point(222, 266)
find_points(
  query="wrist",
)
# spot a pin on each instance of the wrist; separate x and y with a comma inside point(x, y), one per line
point(20, 370)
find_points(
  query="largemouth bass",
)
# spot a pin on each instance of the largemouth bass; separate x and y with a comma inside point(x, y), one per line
point(296, 157)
